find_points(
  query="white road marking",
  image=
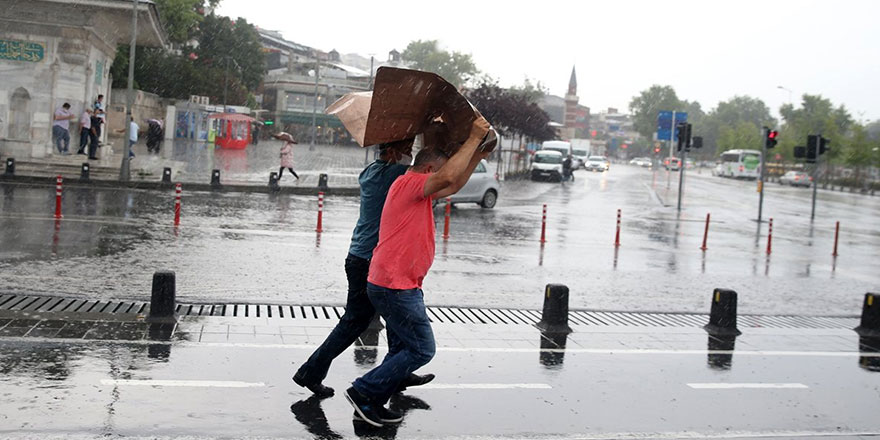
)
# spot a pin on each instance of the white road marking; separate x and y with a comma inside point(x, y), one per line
point(184, 383)
point(485, 386)
point(719, 435)
point(601, 351)
point(733, 386)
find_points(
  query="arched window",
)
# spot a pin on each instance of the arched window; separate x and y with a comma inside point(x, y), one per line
point(20, 115)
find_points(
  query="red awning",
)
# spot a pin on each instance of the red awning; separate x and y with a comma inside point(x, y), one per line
point(231, 117)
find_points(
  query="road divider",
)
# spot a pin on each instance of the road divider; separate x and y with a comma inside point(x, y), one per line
point(722, 316)
point(770, 237)
point(163, 303)
point(836, 233)
point(617, 234)
point(544, 225)
point(320, 227)
point(554, 316)
point(177, 190)
point(705, 234)
point(215, 180)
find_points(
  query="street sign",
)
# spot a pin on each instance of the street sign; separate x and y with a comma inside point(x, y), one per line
point(665, 124)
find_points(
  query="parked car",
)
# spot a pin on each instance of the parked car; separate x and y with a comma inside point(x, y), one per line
point(672, 163)
point(579, 158)
point(547, 164)
point(597, 163)
point(481, 188)
point(796, 178)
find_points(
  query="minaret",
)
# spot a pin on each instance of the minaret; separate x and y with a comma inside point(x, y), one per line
point(571, 103)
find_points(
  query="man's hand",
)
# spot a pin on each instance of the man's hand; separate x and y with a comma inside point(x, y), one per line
point(478, 130)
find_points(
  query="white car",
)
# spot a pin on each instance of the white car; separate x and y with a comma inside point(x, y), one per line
point(796, 178)
point(597, 163)
point(643, 162)
point(481, 188)
point(547, 164)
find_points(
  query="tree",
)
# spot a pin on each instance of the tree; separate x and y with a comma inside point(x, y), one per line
point(816, 115)
point(645, 107)
point(181, 18)
point(511, 112)
point(222, 41)
point(742, 135)
point(456, 67)
point(731, 114)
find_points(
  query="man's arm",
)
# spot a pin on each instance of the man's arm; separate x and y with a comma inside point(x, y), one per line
point(475, 159)
point(455, 173)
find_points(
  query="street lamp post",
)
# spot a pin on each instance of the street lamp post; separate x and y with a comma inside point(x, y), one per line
point(125, 167)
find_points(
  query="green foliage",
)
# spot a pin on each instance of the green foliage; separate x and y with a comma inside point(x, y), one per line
point(532, 92)
point(738, 114)
point(228, 52)
point(816, 115)
point(456, 67)
point(645, 107)
point(180, 18)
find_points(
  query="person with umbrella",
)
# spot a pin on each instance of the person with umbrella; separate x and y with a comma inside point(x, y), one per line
point(286, 153)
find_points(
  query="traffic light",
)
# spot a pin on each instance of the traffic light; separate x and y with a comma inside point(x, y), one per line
point(656, 150)
point(812, 148)
point(684, 135)
point(800, 152)
point(697, 142)
point(772, 137)
point(823, 145)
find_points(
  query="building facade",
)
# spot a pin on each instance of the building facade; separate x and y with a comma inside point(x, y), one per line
point(57, 51)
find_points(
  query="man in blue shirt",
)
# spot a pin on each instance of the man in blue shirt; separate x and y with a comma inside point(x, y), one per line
point(375, 180)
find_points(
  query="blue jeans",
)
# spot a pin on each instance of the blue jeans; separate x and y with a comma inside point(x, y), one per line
point(358, 314)
point(61, 138)
point(411, 348)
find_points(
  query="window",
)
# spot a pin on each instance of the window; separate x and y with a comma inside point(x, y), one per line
point(730, 157)
point(20, 115)
point(547, 158)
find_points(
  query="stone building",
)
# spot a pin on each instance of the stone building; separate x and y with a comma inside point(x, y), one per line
point(57, 51)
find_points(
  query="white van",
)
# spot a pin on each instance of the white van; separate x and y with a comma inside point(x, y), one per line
point(564, 148)
point(547, 164)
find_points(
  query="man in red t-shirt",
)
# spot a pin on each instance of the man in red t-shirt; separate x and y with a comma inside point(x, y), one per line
point(400, 262)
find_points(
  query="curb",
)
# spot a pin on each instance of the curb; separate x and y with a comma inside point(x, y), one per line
point(189, 186)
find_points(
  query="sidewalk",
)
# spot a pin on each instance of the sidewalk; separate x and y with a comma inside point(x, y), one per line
point(193, 163)
point(91, 375)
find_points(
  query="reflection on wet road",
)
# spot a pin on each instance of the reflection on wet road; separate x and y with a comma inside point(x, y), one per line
point(259, 247)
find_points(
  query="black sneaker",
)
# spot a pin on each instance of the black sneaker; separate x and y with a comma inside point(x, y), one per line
point(317, 389)
point(414, 380)
point(385, 416)
point(363, 407)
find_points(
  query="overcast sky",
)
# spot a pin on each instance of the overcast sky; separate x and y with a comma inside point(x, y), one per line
point(707, 50)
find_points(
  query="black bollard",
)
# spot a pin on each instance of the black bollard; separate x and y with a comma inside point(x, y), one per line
point(166, 175)
point(868, 348)
point(554, 317)
point(162, 302)
point(215, 180)
point(870, 323)
point(273, 181)
point(720, 361)
point(84, 174)
point(722, 318)
point(322, 181)
point(10, 166)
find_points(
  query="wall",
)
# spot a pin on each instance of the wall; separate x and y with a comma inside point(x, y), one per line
point(146, 106)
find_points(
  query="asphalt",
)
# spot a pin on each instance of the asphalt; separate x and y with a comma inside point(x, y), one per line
point(221, 377)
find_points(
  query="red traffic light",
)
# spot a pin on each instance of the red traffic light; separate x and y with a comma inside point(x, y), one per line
point(773, 134)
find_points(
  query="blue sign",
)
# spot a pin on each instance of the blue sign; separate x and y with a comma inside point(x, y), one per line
point(665, 124)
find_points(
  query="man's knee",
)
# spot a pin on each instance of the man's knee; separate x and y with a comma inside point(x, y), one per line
point(424, 354)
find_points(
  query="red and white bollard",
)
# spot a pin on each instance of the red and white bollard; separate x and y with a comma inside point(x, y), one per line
point(446, 218)
point(705, 234)
point(177, 189)
point(544, 225)
point(836, 233)
point(617, 235)
point(58, 181)
point(770, 237)
point(320, 227)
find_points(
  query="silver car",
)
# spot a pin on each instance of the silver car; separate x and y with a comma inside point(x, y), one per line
point(481, 188)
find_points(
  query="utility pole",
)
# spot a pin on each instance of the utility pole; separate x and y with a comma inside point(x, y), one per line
point(763, 171)
point(315, 106)
point(125, 167)
point(671, 136)
point(684, 144)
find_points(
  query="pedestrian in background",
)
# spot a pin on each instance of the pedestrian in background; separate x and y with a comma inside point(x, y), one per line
point(133, 136)
point(85, 129)
point(286, 153)
point(94, 132)
point(154, 135)
point(61, 128)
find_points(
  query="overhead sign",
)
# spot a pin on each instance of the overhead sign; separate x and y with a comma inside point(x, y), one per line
point(665, 124)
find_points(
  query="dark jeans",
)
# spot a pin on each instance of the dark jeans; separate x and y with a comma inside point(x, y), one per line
point(413, 345)
point(358, 314)
point(84, 134)
point(61, 138)
point(93, 145)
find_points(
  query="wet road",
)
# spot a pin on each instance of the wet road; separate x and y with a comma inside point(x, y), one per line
point(612, 384)
point(263, 248)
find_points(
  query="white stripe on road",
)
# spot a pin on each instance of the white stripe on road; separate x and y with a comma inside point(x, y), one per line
point(184, 383)
point(733, 386)
point(485, 386)
point(599, 351)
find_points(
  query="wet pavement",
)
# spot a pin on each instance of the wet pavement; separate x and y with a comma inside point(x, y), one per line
point(220, 377)
point(262, 248)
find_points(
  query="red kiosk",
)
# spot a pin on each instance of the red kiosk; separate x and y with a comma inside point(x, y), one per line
point(233, 130)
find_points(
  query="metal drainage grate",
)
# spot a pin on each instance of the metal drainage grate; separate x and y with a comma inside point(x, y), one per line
point(450, 315)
